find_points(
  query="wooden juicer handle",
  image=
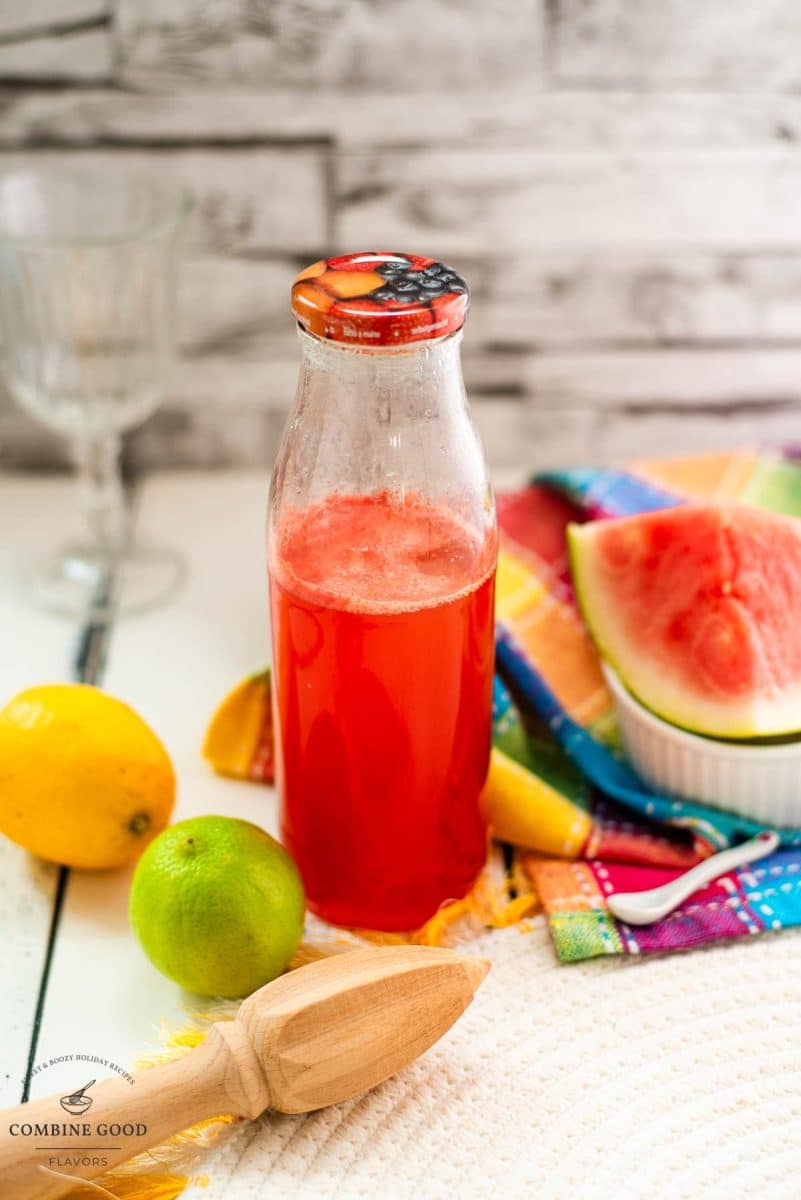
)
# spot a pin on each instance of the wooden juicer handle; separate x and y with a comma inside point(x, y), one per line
point(312, 1038)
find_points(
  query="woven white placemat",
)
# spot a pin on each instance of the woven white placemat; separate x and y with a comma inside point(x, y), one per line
point(669, 1077)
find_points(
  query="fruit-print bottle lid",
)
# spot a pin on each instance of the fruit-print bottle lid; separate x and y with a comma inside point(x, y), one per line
point(380, 299)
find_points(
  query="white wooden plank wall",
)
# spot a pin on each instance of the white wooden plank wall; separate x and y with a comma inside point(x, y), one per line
point(619, 181)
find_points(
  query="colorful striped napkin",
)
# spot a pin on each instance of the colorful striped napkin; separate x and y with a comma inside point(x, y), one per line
point(532, 782)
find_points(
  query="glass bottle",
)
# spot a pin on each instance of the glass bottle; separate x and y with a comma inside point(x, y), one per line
point(382, 547)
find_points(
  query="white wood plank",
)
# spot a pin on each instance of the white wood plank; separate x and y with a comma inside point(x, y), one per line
point(448, 203)
point(601, 378)
point(173, 666)
point(388, 44)
point(515, 115)
point(537, 435)
point(36, 515)
point(218, 379)
point(246, 437)
point(518, 434)
point(85, 56)
point(570, 300)
point(240, 307)
point(37, 15)
point(211, 436)
point(247, 201)
point(236, 322)
point(676, 43)
point(619, 435)
point(227, 411)
point(519, 437)
point(235, 305)
point(746, 396)
point(268, 383)
point(27, 891)
point(721, 380)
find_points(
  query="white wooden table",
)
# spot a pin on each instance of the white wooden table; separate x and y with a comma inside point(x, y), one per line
point(173, 666)
point(676, 1077)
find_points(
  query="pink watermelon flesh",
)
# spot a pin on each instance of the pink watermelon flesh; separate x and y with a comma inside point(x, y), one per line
point(698, 609)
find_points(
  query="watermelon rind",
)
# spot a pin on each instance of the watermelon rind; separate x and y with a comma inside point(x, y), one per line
point(742, 717)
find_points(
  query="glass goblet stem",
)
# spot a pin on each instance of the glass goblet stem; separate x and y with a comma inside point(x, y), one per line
point(102, 493)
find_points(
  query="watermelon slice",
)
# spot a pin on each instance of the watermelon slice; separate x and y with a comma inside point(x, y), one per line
point(698, 609)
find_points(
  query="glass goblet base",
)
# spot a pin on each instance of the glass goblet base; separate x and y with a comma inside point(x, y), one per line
point(79, 577)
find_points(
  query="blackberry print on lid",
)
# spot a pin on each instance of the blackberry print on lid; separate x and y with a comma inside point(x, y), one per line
point(380, 299)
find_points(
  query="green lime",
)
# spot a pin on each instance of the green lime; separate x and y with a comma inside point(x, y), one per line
point(218, 905)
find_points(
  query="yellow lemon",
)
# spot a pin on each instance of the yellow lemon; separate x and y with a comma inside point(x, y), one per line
point(239, 739)
point(83, 780)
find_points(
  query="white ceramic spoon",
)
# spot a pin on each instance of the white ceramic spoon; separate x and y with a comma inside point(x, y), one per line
point(641, 908)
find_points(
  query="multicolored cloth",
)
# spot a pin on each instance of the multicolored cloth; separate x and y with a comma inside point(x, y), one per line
point(543, 800)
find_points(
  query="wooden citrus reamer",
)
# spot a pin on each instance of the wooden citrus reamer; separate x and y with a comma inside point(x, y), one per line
point(313, 1037)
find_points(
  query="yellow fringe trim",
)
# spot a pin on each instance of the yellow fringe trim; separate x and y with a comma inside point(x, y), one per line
point(145, 1187)
point(500, 897)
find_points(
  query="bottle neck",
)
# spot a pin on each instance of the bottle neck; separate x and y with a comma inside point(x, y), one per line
point(389, 383)
point(389, 423)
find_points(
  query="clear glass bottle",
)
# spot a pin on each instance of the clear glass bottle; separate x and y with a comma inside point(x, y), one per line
point(382, 548)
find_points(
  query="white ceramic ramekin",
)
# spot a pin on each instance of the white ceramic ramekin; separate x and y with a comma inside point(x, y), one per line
point(761, 782)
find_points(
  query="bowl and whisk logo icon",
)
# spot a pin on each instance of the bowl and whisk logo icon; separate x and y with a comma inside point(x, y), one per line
point(78, 1103)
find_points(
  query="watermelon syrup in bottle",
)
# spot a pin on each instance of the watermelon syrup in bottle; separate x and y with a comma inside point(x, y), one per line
point(382, 548)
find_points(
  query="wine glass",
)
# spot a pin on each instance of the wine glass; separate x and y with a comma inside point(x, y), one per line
point(87, 299)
